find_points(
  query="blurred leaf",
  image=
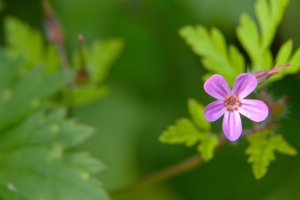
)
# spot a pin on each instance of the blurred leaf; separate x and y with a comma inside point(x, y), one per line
point(100, 56)
point(183, 131)
point(262, 148)
point(86, 94)
point(281, 58)
point(38, 152)
point(257, 42)
point(213, 50)
point(196, 111)
point(52, 59)
point(269, 13)
point(21, 96)
point(295, 63)
point(1, 5)
point(207, 146)
point(24, 41)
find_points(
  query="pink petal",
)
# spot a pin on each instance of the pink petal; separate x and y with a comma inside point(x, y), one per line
point(217, 87)
point(232, 125)
point(214, 110)
point(255, 110)
point(244, 84)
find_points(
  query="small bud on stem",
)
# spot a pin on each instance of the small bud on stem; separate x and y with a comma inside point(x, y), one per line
point(264, 75)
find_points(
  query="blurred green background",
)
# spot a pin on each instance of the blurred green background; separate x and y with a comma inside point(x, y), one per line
point(150, 84)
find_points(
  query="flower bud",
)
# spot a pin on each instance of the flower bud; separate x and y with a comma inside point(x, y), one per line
point(264, 75)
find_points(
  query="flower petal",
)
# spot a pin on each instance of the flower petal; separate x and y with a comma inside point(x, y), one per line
point(217, 87)
point(214, 110)
point(255, 110)
point(232, 125)
point(244, 84)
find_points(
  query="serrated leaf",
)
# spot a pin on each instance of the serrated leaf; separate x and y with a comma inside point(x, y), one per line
point(24, 41)
point(257, 42)
point(183, 131)
point(262, 149)
point(269, 15)
point(87, 94)
point(196, 111)
point(284, 53)
point(282, 146)
point(211, 47)
point(207, 146)
point(85, 161)
point(101, 55)
point(99, 58)
point(36, 162)
point(248, 36)
point(281, 58)
point(26, 94)
point(295, 63)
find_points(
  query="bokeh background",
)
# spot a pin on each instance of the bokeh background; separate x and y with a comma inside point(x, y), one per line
point(150, 83)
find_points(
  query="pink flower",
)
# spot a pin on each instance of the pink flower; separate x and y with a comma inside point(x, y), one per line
point(231, 103)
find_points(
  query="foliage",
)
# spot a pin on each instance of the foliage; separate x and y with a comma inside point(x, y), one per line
point(24, 41)
point(98, 57)
point(37, 152)
point(216, 56)
point(262, 148)
point(190, 132)
point(228, 61)
point(35, 147)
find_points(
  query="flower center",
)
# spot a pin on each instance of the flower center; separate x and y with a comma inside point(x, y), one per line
point(232, 103)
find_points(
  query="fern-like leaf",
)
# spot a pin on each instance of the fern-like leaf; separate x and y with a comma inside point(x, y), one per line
point(212, 48)
point(262, 151)
point(36, 161)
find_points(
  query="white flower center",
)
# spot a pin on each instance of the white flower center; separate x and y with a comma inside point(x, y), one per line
point(232, 103)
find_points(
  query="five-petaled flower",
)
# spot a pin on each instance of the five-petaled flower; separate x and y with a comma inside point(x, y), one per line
point(231, 103)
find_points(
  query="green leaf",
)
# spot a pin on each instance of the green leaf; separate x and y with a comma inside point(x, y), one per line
point(282, 58)
point(295, 63)
point(100, 56)
point(196, 111)
point(282, 146)
point(183, 131)
point(257, 42)
point(38, 152)
point(269, 14)
point(86, 94)
point(190, 132)
point(207, 146)
point(24, 41)
point(25, 94)
point(262, 148)
point(212, 48)
point(52, 61)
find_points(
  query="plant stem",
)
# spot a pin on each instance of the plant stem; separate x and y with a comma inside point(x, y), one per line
point(173, 170)
point(167, 172)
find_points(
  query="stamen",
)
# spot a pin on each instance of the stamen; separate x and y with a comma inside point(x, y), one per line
point(232, 103)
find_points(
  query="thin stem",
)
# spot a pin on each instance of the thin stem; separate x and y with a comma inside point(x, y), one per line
point(161, 175)
point(173, 170)
point(63, 56)
point(167, 172)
